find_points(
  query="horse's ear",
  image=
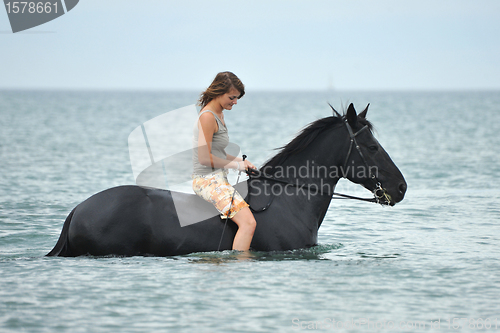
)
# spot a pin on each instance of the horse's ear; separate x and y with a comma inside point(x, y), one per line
point(363, 114)
point(351, 116)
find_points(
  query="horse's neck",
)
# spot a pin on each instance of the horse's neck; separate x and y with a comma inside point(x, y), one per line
point(318, 164)
point(317, 170)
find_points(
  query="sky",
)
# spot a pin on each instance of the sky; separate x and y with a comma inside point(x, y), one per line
point(277, 45)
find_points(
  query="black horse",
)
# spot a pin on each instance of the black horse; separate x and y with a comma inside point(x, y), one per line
point(289, 195)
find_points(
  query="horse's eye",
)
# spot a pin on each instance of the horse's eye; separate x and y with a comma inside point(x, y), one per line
point(373, 148)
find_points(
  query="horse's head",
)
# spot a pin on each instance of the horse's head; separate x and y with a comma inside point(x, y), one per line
point(367, 163)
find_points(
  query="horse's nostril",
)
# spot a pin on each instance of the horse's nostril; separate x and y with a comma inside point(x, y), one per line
point(402, 188)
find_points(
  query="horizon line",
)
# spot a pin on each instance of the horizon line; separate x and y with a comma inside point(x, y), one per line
point(259, 90)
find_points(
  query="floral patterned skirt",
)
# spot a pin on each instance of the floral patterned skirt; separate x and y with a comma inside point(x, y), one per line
point(215, 188)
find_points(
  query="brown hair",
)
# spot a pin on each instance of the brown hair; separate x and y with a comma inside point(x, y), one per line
point(222, 83)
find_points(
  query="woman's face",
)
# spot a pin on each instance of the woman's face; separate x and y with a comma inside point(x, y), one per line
point(229, 99)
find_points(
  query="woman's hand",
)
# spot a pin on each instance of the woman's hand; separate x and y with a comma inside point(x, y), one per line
point(243, 165)
point(248, 165)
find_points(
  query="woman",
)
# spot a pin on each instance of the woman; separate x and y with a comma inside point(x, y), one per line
point(210, 161)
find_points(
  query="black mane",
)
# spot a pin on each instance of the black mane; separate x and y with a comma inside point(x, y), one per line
point(306, 136)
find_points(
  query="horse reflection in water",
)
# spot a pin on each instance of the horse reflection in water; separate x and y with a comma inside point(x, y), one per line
point(289, 208)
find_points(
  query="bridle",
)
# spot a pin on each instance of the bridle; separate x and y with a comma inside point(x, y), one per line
point(380, 194)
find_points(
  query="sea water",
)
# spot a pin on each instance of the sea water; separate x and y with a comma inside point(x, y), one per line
point(428, 264)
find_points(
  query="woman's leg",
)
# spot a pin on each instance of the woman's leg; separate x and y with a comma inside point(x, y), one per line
point(246, 227)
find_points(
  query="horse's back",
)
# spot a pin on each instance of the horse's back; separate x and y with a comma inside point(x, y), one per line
point(119, 220)
point(133, 220)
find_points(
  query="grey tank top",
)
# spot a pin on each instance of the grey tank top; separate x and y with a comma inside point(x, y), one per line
point(220, 141)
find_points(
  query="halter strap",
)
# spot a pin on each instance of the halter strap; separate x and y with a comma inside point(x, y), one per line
point(353, 141)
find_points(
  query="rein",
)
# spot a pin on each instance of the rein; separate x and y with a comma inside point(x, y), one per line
point(253, 174)
point(380, 194)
